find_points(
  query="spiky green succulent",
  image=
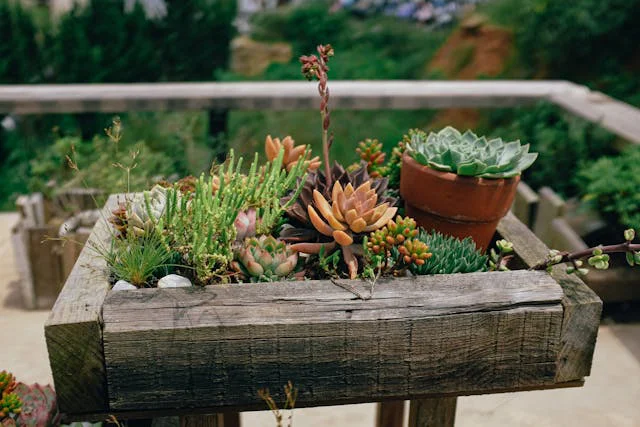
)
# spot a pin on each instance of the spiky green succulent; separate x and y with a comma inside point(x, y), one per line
point(450, 255)
point(466, 154)
point(264, 259)
point(10, 405)
point(7, 382)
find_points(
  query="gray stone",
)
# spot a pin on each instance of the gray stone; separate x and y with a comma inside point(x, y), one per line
point(174, 281)
point(123, 285)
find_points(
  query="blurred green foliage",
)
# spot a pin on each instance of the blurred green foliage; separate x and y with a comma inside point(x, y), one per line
point(20, 55)
point(101, 42)
point(101, 164)
point(611, 184)
point(564, 142)
point(593, 42)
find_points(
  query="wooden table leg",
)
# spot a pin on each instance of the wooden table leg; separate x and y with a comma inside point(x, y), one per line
point(432, 412)
point(231, 419)
point(227, 419)
point(215, 420)
point(390, 414)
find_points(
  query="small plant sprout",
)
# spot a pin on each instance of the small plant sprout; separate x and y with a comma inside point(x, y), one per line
point(114, 132)
point(499, 259)
point(291, 394)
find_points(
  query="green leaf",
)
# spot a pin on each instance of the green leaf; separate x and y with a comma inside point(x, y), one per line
point(472, 168)
point(630, 258)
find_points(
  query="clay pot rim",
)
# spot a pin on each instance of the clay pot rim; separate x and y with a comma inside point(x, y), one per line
point(452, 176)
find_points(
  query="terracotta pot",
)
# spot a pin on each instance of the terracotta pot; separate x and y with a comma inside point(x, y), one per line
point(455, 205)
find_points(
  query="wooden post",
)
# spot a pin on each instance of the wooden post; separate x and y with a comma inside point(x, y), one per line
point(227, 419)
point(215, 420)
point(390, 414)
point(550, 207)
point(525, 203)
point(433, 412)
point(231, 419)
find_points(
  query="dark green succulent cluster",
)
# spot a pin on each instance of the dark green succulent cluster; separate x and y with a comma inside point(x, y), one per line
point(450, 255)
point(466, 154)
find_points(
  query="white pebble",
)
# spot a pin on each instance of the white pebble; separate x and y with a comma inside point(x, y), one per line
point(122, 285)
point(174, 281)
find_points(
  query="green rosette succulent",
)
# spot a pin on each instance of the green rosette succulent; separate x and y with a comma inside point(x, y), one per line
point(466, 154)
point(264, 259)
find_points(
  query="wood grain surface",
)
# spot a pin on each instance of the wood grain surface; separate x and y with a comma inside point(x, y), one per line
point(73, 330)
point(449, 333)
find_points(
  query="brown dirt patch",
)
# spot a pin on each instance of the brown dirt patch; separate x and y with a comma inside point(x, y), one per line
point(470, 54)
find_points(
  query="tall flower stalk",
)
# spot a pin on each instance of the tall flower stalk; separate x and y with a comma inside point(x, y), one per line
point(316, 68)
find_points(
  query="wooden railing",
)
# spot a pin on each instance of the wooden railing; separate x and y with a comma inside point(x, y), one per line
point(618, 117)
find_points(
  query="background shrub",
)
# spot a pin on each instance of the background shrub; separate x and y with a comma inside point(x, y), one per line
point(564, 142)
point(611, 184)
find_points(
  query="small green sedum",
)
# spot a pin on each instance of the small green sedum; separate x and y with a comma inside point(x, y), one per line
point(450, 255)
point(466, 154)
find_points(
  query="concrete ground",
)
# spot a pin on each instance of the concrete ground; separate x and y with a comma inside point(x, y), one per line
point(610, 397)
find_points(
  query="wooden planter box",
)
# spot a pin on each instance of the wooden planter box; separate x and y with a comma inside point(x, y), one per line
point(44, 263)
point(560, 225)
point(205, 350)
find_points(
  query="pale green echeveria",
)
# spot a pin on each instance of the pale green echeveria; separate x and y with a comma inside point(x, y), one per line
point(145, 209)
point(467, 154)
point(264, 258)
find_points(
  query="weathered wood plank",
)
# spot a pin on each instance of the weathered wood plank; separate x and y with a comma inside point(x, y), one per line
point(218, 345)
point(45, 264)
point(21, 254)
point(616, 116)
point(293, 95)
point(582, 307)
point(74, 332)
point(259, 405)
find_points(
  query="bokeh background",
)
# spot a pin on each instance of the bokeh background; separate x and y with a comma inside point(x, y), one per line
point(592, 42)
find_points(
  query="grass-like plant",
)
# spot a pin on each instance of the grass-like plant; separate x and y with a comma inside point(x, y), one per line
point(136, 260)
